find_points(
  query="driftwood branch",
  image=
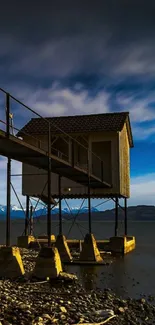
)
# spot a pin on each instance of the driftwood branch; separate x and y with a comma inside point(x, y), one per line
point(101, 323)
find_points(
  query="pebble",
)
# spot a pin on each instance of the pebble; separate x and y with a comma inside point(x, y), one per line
point(121, 309)
point(25, 303)
point(63, 309)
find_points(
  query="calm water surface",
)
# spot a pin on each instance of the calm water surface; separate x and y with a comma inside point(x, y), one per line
point(132, 275)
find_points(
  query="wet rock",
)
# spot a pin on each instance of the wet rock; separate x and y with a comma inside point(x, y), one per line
point(63, 309)
point(142, 301)
point(46, 316)
point(121, 310)
point(151, 298)
point(27, 303)
point(67, 277)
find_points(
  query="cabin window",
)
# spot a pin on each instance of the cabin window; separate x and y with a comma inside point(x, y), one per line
point(60, 148)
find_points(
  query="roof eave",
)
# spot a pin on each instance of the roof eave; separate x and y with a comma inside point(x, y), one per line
point(129, 130)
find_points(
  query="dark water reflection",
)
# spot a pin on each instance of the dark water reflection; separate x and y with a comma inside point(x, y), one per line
point(132, 275)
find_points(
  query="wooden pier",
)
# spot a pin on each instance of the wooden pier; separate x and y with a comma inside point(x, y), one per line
point(92, 151)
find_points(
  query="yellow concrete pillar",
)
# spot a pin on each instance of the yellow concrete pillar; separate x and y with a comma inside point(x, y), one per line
point(48, 263)
point(11, 265)
point(63, 248)
point(90, 252)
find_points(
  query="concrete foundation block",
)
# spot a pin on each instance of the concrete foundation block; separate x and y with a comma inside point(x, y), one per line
point(11, 265)
point(34, 245)
point(63, 248)
point(90, 251)
point(48, 264)
point(24, 241)
point(122, 245)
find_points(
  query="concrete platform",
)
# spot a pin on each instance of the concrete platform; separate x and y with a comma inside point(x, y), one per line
point(116, 245)
point(122, 245)
point(76, 244)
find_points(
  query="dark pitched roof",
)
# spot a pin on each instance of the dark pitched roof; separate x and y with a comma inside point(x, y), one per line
point(78, 124)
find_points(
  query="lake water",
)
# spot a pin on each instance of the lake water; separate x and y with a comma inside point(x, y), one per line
point(133, 275)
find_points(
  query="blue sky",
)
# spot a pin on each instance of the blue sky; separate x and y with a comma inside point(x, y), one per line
point(66, 59)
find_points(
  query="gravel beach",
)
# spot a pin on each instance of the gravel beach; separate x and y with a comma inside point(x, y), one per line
point(24, 302)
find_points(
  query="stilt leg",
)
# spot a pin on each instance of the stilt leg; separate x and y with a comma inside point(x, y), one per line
point(8, 173)
point(8, 202)
point(49, 190)
point(60, 208)
point(27, 214)
point(31, 220)
point(116, 217)
point(89, 207)
point(125, 217)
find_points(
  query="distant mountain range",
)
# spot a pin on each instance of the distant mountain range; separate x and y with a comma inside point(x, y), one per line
point(138, 213)
point(17, 212)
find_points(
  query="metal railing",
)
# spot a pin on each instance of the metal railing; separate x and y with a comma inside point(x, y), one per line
point(80, 155)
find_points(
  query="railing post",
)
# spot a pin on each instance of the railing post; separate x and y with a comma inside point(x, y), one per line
point(73, 156)
point(7, 114)
point(49, 189)
point(102, 170)
point(88, 162)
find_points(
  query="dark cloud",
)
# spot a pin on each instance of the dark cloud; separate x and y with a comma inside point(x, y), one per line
point(38, 20)
point(49, 40)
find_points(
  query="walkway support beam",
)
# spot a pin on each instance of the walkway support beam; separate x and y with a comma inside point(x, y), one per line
point(49, 189)
point(8, 202)
point(8, 199)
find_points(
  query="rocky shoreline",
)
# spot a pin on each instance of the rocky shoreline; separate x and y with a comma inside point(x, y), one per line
point(26, 303)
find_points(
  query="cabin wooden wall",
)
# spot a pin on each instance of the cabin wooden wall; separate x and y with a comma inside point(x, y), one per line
point(124, 151)
point(113, 160)
point(102, 149)
point(81, 151)
point(116, 168)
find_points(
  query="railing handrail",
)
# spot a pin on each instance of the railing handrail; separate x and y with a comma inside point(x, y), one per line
point(25, 133)
point(47, 121)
